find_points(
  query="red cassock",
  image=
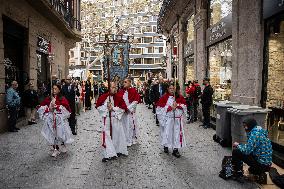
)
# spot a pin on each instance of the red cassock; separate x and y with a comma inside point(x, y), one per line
point(59, 101)
point(117, 98)
point(164, 99)
point(133, 95)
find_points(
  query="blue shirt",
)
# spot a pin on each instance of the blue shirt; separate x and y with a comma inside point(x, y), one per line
point(258, 145)
point(12, 98)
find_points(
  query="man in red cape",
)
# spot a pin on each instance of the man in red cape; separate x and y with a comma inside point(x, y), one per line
point(171, 111)
point(131, 98)
point(111, 108)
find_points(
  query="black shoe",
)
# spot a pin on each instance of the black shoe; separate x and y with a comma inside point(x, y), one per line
point(176, 153)
point(105, 160)
point(74, 133)
point(17, 129)
point(239, 178)
point(113, 158)
point(30, 123)
point(13, 130)
point(166, 150)
point(119, 154)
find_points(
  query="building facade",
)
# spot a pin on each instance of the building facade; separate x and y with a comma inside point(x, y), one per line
point(238, 44)
point(132, 17)
point(30, 31)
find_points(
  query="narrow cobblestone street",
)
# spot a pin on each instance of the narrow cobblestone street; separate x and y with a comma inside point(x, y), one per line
point(25, 162)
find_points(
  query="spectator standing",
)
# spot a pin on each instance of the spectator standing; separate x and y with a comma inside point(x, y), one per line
point(96, 91)
point(206, 101)
point(13, 102)
point(196, 97)
point(31, 100)
point(88, 95)
point(157, 91)
point(69, 91)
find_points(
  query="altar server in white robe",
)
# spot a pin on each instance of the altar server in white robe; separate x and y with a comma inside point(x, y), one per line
point(55, 112)
point(131, 98)
point(111, 108)
point(171, 111)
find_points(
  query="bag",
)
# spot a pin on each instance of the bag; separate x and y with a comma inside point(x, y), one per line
point(227, 168)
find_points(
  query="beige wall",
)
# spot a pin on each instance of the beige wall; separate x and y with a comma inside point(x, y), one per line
point(275, 85)
point(22, 13)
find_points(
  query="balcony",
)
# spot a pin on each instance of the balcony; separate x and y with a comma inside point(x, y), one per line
point(60, 16)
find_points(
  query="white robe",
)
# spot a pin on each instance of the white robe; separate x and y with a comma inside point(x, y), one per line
point(116, 144)
point(171, 125)
point(129, 120)
point(62, 133)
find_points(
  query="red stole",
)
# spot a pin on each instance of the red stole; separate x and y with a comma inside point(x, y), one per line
point(59, 101)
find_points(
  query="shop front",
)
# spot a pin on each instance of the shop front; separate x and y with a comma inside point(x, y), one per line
point(273, 76)
point(219, 70)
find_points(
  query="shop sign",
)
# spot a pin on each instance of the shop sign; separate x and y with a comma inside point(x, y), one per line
point(42, 45)
point(219, 31)
point(189, 49)
point(271, 8)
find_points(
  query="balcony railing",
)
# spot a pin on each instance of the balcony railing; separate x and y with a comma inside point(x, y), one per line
point(63, 10)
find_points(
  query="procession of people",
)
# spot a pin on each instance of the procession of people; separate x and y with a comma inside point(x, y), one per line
point(116, 104)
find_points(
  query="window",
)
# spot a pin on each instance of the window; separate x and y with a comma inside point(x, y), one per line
point(136, 51)
point(148, 61)
point(145, 19)
point(158, 61)
point(137, 61)
point(148, 29)
point(161, 49)
point(71, 54)
point(149, 50)
point(219, 9)
point(147, 39)
point(82, 54)
point(154, 28)
point(143, 29)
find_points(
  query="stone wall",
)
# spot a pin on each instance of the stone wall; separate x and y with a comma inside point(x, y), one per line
point(275, 85)
point(247, 59)
point(27, 16)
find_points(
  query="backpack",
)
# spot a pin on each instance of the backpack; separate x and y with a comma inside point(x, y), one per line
point(227, 168)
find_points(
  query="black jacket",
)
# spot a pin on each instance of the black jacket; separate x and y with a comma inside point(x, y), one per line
point(30, 98)
point(207, 96)
point(70, 94)
point(155, 93)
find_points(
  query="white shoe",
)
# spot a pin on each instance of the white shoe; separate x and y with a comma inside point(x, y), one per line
point(55, 153)
point(63, 149)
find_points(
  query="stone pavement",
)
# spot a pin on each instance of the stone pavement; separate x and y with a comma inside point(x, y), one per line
point(25, 161)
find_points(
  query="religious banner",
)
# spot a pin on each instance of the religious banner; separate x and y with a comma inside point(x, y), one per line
point(119, 62)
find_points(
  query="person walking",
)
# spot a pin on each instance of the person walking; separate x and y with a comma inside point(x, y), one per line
point(171, 111)
point(111, 107)
point(30, 100)
point(13, 102)
point(96, 91)
point(55, 111)
point(131, 99)
point(206, 101)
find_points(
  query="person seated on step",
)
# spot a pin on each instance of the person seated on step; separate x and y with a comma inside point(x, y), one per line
point(256, 153)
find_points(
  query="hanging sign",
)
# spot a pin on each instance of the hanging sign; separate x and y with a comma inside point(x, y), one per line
point(43, 45)
point(219, 31)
